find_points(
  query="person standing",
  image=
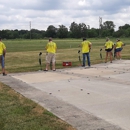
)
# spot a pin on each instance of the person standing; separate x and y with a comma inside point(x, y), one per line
point(118, 48)
point(2, 56)
point(86, 46)
point(108, 48)
point(51, 49)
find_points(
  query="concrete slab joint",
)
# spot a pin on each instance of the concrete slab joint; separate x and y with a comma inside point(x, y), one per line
point(95, 98)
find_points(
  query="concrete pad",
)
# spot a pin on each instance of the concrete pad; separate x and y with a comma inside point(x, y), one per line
point(95, 98)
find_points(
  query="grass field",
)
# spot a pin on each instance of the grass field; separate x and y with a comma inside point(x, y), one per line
point(22, 55)
point(19, 113)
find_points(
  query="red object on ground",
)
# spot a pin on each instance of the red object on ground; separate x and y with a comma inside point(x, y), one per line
point(66, 63)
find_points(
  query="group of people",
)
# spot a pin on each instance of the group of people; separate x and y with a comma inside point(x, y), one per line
point(86, 47)
point(51, 49)
point(109, 46)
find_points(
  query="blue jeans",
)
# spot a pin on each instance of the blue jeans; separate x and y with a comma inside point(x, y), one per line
point(2, 61)
point(84, 59)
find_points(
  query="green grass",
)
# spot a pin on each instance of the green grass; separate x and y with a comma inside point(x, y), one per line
point(20, 113)
point(23, 55)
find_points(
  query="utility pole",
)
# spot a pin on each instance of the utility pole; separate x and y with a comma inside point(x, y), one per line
point(30, 29)
point(100, 25)
point(88, 27)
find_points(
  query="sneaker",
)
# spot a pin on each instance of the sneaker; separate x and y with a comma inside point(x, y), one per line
point(83, 65)
point(87, 67)
point(45, 70)
point(4, 74)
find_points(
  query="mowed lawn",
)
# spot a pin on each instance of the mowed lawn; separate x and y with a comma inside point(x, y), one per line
point(23, 55)
point(20, 113)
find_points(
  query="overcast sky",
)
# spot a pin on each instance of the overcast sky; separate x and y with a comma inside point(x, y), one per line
point(17, 14)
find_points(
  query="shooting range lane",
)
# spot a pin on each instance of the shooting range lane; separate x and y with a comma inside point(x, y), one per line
point(42, 77)
point(91, 98)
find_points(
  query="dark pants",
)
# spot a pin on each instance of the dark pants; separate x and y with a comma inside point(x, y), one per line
point(2, 61)
point(84, 59)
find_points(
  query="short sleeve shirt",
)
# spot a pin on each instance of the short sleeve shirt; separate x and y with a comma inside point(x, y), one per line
point(51, 47)
point(85, 46)
point(2, 48)
point(119, 44)
point(109, 44)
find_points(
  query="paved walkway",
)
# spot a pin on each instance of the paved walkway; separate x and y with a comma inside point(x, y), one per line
point(96, 98)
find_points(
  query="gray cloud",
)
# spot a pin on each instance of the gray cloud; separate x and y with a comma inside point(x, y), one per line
point(42, 13)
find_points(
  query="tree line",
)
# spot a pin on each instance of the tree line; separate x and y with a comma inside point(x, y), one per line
point(75, 31)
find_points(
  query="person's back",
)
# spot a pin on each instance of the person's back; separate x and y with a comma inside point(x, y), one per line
point(118, 48)
point(50, 56)
point(119, 44)
point(108, 48)
point(85, 46)
point(109, 44)
point(51, 47)
point(2, 47)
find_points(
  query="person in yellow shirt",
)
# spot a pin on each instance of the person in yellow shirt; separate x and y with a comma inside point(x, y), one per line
point(108, 48)
point(118, 48)
point(2, 56)
point(86, 46)
point(51, 49)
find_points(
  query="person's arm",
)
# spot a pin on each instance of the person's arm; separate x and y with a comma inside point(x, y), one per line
point(56, 48)
point(4, 52)
point(112, 45)
point(90, 45)
point(122, 45)
point(105, 46)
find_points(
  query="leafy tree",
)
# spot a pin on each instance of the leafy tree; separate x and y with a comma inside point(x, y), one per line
point(62, 31)
point(108, 25)
point(15, 34)
point(78, 30)
point(93, 33)
point(83, 31)
point(74, 30)
point(51, 31)
point(126, 26)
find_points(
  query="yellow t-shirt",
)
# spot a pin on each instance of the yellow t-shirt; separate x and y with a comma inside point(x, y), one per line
point(119, 44)
point(2, 48)
point(51, 47)
point(85, 46)
point(109, 45)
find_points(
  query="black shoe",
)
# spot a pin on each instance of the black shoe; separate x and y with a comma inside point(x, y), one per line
point(83, 65)
point(4, 74)
point(45, 70)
